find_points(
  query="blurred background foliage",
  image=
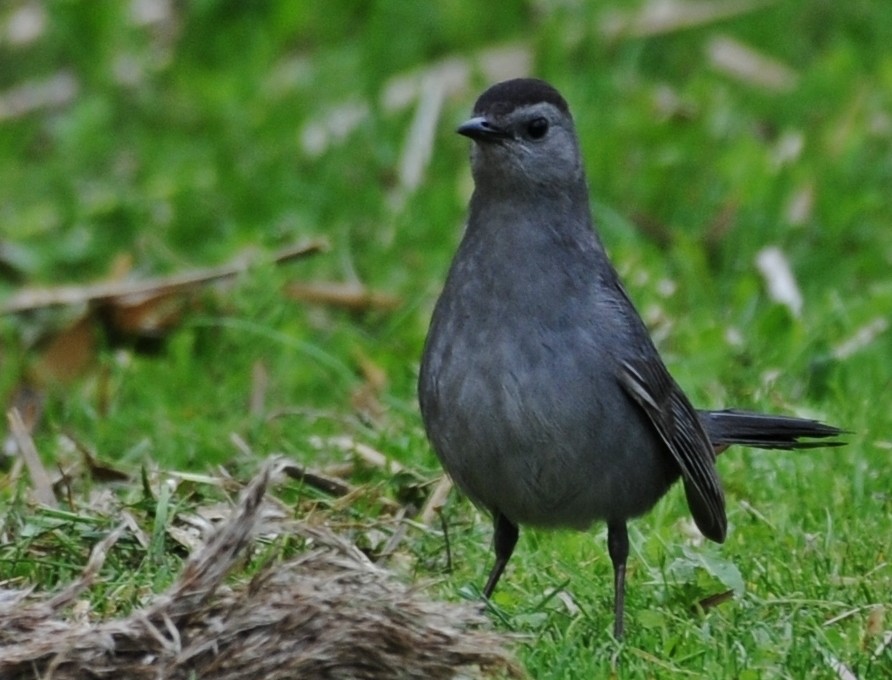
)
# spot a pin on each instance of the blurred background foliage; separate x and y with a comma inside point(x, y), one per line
point(149, 137)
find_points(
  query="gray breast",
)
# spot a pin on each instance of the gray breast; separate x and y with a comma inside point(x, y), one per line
point(529, 420)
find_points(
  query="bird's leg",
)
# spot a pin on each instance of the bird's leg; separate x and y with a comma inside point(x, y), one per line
point(504, 538)
point(618, 547)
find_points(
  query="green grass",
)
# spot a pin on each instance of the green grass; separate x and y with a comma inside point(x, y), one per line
point(197, 154)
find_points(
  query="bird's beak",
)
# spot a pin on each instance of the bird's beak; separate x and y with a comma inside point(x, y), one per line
point(480, 129)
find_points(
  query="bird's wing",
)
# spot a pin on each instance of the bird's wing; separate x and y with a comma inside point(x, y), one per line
point(649, 384)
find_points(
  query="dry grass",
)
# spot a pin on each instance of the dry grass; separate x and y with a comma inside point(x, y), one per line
point(329, 613)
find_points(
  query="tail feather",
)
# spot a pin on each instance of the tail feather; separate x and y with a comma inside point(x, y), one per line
point(763, 431)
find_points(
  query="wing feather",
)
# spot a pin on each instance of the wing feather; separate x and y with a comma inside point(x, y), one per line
point(678, 425)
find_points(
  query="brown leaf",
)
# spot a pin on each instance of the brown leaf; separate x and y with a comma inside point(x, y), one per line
point(875, 619)
point(436, 501)
point(353, 296)
point(144, 316)
point(68, 354)
point(99, 472)
point(708, 603)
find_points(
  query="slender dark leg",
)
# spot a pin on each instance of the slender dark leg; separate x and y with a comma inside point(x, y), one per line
point(618, 547)
point(505, 538)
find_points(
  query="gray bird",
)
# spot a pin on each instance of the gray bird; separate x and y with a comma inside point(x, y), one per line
point(540, 389)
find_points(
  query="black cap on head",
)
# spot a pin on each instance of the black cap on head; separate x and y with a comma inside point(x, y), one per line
point(506, 96)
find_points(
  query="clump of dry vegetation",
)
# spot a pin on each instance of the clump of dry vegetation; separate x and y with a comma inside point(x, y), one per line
point(329, 613)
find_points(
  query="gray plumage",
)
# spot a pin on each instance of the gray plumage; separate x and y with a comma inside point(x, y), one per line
point(540, 389)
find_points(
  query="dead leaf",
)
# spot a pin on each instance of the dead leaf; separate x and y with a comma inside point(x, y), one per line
point(130, 522)
point(420, 137)
point(842, 671)
point(25, 24)
point(67, 355)
point(875, 622)
point(52, 92)
point(435, 502)
point(778, 275)
point(144, 316)
point(885, 644)
point(99, 472)
point(441, 79)
point(712, 601)
point(863, 337)
point(353, 296)
point(800, 205)
point(188, 537)
point(748, 65)
point(659, 17)
point(363, 451)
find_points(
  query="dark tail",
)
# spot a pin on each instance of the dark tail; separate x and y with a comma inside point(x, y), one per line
point(763, 431)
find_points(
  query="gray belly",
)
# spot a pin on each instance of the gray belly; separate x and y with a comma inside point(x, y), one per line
point(545, 438)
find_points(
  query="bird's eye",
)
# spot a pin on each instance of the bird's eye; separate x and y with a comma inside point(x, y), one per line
point(537, 128)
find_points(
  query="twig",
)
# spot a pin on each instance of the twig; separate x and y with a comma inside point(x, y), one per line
point(318, 480)
point(43, 487)
point(36, 298)
point(353, 296)
point(365, 452)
